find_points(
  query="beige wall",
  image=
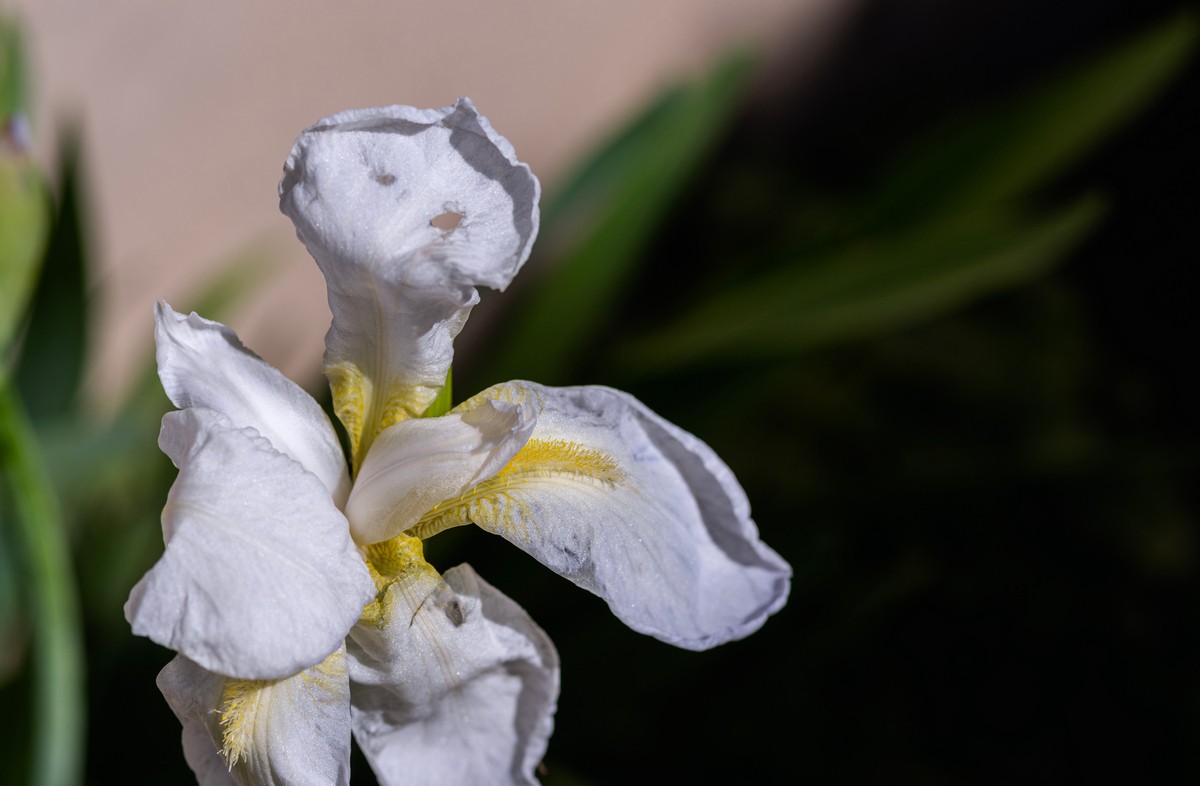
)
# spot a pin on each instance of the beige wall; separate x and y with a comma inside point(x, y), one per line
point(189, 108)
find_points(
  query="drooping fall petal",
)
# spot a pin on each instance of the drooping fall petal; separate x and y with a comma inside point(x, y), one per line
point(260, 578)
point(289, 732)
point(452, 684)
point(611, 496)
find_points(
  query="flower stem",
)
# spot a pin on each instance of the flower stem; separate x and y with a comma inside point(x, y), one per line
point(57, 647)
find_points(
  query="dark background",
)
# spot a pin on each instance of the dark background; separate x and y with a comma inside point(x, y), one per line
point(991, 514)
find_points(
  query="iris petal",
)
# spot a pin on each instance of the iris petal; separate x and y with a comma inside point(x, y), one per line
point(631, 507)
point(417, 464)
point(259, 578)
point(203, 364)
point(288, 732)
point(453, 682)
point(406, 212)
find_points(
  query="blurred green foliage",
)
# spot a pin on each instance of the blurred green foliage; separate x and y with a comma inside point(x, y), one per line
point(39, 616)
point(951, 220)
point(24, 219)
point(929, 427)
point(54, 344)
point(994, 565)
point(597, 227)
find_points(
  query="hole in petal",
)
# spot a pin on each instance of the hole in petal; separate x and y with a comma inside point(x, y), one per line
point(385, 178)
point(448, 221)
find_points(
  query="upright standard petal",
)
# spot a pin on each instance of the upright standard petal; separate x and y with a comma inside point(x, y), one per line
point(259, 578)
point(406, 212)
point(451, 683)
point(634, 509)
point(203, 364)
point(416, 464)
point(288, 732)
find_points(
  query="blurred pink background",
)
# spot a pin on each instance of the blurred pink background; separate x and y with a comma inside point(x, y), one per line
point(187, 111)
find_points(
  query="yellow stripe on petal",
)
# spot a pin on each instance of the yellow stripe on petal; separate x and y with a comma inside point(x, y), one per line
point(401, 403)
point(394, 557)
point(366, 409)
point(351, 391)
point(245, 705)
point(493, 500)
point(239, 708)
point(551, 457)
point(389, 561)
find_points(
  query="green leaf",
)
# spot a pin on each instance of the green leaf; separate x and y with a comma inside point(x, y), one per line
point(599, 226)
point(24, 216)
point(1021, 144)
point(24, 221)
point(876, 285)
point(13, 624)
point(445, 398)
point(58, 717)
point(52, 359)
point(14, 80)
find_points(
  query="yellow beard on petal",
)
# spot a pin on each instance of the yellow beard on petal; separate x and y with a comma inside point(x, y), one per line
point(244, 701)
point(238, 709)
point(351, 391)
point(366, 409)
point(390, 561)
point(493, 500)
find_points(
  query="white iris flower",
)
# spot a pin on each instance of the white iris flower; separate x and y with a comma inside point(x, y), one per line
point(294, 587)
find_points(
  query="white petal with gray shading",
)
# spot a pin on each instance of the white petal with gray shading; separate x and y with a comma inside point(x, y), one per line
point(611, 496)
point(406, 211)
point(259, 578)
point(456, 687)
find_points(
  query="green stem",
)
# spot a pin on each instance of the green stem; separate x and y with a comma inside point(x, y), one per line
point(57, 646)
